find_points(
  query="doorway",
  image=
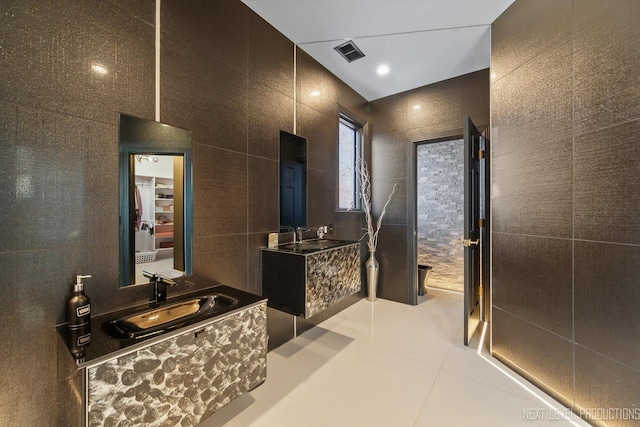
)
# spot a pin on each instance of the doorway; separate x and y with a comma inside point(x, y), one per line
point(474, 241)
point(440, 212)
point(159, 211)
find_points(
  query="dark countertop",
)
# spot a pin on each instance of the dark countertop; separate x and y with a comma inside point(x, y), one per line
point(312, 246)
point(102, 346)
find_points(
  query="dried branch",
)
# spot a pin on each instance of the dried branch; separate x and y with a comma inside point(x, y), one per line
point(365, 192)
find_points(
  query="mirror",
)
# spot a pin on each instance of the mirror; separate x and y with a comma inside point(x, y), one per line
point(293, 181)
point(156, 200)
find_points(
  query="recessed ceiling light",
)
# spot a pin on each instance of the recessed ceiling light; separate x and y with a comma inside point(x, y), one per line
point(416, 107)
point(383, 69)
point(98, 69)
point(315, 93)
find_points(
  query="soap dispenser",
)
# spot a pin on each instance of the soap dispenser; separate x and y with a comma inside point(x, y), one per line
point(79, 306)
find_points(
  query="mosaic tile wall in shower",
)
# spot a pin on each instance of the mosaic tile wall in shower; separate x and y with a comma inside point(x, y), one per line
point(441, 212)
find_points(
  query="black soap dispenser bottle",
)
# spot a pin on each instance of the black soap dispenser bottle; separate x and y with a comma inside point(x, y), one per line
point(79, 306)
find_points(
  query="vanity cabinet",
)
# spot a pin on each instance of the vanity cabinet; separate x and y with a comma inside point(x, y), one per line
point(181, 380)
point(304, 284)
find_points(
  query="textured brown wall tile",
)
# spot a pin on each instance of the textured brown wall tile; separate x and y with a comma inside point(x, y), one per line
point(395, 122)
point(527, 29)
point(217, 29)
point(397, 210)
point(438, 105)
point(389, 115)
point(607, 178)
point(263, 195)
point(312, 77)
point(388, 157)
point(50, 173)
point(269, 113)
point(532, 154)
point(606, 390)
point(49, 48)
point(321, 198)
point(606, 63)
point(322, 139)
point(565, 164)
point(606, 300)
point(220, 192)
point(532, 280)
point(270, 56)
point(225, 75)
point(204, 95)
point(216, 257)
point(538, 355)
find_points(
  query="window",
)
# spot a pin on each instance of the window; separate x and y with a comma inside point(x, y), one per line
point(349, 153)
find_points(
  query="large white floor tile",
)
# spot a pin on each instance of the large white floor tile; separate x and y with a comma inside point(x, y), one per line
point(390, 365)
point(362, 386)
point(457, 401)
point(423, 333)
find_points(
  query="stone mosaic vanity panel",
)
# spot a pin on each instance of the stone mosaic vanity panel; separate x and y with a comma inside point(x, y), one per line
point(183, 380)
point(331, 276)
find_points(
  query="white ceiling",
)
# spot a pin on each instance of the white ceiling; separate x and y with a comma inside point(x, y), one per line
point(422, 41)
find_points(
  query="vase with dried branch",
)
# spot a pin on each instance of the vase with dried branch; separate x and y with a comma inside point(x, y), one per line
point(372, 231)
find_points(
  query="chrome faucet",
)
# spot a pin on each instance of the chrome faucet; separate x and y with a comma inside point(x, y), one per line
point(158, 285)
point(321, 231)
point(298, 233)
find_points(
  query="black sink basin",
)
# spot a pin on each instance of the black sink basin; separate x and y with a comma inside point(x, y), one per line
point(308, 246)
point(166, 317)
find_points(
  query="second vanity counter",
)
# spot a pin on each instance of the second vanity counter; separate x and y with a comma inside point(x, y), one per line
point(307, 277)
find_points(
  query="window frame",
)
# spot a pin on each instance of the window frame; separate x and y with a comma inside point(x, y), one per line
point(359, 146)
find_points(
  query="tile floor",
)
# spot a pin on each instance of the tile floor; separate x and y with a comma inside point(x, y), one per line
point(390, 365)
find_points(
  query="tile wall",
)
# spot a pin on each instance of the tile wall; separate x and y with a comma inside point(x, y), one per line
point(565, 206)
point(226, 75)
point(395, 125)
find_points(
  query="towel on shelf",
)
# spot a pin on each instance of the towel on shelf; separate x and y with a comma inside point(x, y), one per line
point(138, 207)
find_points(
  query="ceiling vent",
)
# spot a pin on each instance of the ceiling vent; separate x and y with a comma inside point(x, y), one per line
point(349, 51)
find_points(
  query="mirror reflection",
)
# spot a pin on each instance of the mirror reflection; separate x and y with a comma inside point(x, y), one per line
point(158, 211)
point(156, 201)
point(293, 181)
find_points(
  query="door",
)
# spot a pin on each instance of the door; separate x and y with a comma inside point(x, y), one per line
point(472, 225)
